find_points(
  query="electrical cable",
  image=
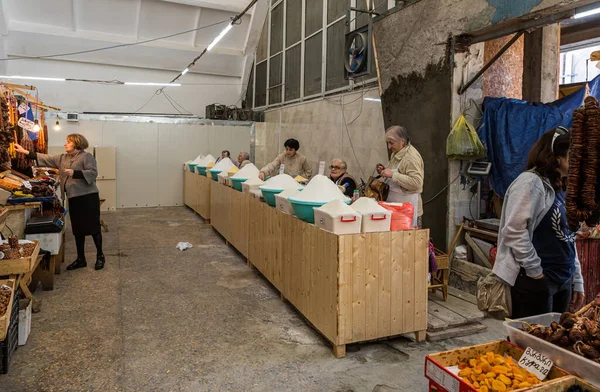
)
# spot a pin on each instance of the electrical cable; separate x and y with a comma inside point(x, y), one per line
point(171, 99)
point(157, 92)
point(442, 191)
point(113, 46)
point(359, 13)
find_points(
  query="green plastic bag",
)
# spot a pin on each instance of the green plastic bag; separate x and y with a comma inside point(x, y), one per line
point(463, 143)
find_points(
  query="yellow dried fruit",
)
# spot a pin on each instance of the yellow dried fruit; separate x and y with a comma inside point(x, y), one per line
point(505, 379)
point(473, 362)
point(481, 378)
point(498, 361)
point(484, 389)
point(489, 375)
point(500, 369)
point(524, 384)
point(498, 386)
point(486, 367)
point(464, 372)
point(477, 370)
point(462, 366)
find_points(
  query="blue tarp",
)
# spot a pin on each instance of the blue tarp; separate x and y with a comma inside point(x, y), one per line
point(510, 127)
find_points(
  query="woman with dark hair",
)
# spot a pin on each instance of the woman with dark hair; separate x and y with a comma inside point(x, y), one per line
point(536, 249)
point(78, 174)
point(294, 163)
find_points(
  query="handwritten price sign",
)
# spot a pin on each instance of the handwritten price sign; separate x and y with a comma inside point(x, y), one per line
point(536, 363)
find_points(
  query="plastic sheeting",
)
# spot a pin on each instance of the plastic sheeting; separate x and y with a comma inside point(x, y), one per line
point(510, 127)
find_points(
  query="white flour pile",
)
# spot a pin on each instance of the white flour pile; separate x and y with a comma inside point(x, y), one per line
point(336, 208)
point(321, 189)
point(198, 159)
point(282, 181)
point(290, 192)
point(206, 160)
point(367, 205)
point(254, 181)
point(248, 171)
point(223, 165)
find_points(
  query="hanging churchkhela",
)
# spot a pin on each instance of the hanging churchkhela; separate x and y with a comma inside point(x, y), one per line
point(6, 131)
point(583, 189)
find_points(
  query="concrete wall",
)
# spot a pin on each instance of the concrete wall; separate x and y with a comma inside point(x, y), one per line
point(349, 126)
point(416, 75)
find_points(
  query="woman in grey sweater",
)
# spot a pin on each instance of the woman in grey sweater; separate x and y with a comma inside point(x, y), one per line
point(78, 174)
point(536, 249)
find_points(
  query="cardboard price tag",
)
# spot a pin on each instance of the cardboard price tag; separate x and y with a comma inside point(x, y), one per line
point(322, 167)
point(23, 108)
point(27, 185)
point(26, 124)
point(536, 363)
point(281, 168)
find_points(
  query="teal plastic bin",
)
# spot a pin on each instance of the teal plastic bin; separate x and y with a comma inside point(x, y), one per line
point(191, 166)
point(305, 210)
point(269, 195)
point(214, 174)
point(237, 183)
point(201, 170)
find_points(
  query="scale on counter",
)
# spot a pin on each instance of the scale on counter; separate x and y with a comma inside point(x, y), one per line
point(479, 168)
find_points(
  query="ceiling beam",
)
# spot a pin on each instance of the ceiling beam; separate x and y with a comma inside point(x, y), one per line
point(222, 5)
point(254, 31)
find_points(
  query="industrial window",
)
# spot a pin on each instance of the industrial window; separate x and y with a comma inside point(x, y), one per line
point(276, 29)
point(335, 56)
point(298, 37)
point(250, 90)
point(260, 98)
point(314, 16)
point(293, 20)
point(275, 71)
point(312, 65)
point(293, 61)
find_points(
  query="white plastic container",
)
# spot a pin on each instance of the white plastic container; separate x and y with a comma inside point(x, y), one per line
point(338, 218)
point(282, 203)
point(24, 324)
point(48, 241)
point(251, 184)
point(375, 218)
point(575, 364)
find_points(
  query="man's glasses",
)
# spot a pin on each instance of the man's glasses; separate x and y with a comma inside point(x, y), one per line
point(331, 167)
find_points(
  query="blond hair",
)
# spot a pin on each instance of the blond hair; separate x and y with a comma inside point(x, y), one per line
point(78, 140)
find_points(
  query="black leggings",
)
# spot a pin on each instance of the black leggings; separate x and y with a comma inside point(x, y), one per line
point(80, 242)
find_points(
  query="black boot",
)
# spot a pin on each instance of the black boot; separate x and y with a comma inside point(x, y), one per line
point(79, 263)
point(99, 262)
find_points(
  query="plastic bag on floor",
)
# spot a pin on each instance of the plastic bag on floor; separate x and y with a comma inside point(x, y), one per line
point(183, 246)
point(493, 297)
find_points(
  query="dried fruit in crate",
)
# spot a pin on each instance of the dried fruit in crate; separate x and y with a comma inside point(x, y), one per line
point(493, 372)
point(5, 294)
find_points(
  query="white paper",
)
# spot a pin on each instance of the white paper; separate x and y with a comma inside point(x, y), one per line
point(322, 167)
point(27, 185)
point(26, 124)
point(442, 378)
point(536, 363)
point(281, 168)
point(23, 108)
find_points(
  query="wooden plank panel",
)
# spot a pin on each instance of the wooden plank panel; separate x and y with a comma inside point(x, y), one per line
point(358, 288)
point(372, 285)
point(384, 327)
point(342, 291)
point(464, 308)
point(421, 269)
point(408, 281)
point(244, 223)
point(446, 315)
point(329, 262)
point(397, 300)
point(348, 306)
point(287, 241)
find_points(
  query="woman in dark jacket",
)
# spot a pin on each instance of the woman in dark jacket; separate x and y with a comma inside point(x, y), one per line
point(78, 174)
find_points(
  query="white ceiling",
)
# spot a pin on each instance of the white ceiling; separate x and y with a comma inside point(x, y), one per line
point(42, 27)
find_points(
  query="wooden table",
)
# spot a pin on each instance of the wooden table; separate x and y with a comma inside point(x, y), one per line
point(351, 288)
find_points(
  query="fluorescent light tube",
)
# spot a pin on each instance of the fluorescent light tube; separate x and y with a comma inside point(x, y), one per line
point(587, 13)
point(219, 37)
point(152, 84)
point(31, 78)
point(373, 99)
point(185, 71)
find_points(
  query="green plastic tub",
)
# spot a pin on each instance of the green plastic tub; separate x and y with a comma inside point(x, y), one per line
point(305, 210)
point(214, 174)
point(237, 183)
point(192, 166)
point(201, 170)
point(269, 195)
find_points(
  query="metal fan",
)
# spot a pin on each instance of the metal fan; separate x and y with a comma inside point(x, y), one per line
point(356, 49)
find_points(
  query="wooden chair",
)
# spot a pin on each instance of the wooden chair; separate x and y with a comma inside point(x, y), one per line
point(439, 279)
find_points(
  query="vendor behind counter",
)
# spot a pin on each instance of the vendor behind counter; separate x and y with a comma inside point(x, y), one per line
point(295, 164)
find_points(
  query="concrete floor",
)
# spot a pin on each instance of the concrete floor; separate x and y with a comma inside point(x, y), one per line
point(156, 319)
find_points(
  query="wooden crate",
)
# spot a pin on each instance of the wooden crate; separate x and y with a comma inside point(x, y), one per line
point(563, 384)
point(5, 320)
point(352, 288)
point(20, 266)
point(436, 365)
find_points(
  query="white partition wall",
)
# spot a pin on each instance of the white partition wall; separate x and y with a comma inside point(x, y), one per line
point(151, 151)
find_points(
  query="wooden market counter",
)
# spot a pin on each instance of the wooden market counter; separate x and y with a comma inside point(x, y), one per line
point(196, 193)
point(351, 288)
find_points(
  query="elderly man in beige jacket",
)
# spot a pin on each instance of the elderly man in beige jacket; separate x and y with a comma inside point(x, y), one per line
point(295, 164)
point(405, 170)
